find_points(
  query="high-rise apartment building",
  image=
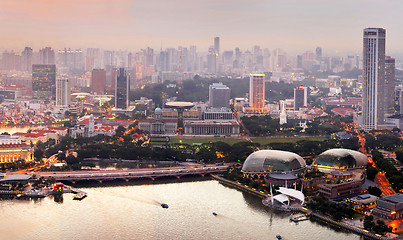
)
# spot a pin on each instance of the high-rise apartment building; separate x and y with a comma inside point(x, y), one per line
point(300, 97)
point(219, 95)
point(389, 85)
point(256, 92)
point(122, 89)
point(47, 56)
point(98, 80)
point(27, 59)
point(62, 92)
point(43, 81)
point(373, 78)
point(71, 59)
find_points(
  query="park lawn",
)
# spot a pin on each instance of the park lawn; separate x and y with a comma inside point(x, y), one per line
point(231, 141)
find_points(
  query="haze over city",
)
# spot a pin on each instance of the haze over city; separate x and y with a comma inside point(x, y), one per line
point(294, 26)
point(207, 119)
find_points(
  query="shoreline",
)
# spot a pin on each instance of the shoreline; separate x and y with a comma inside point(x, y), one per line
point(314, 215)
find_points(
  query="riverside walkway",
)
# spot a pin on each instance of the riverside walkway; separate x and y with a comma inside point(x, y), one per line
point(303, 210)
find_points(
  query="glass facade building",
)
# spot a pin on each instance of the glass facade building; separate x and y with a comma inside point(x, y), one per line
point(43, 81)
point(122, 89)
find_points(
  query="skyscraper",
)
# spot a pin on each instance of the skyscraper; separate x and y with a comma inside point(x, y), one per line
point(43, 81)
point(389, 85)
point(300, 97)
point(373, 78)
point(62, 92)
point(211, 61)
point(98, 80)
point(318, 53)
point(219, 95)
point(27, 59)
point(122, 89)
point(256, 92)
point(217, 45)
point(47, 55)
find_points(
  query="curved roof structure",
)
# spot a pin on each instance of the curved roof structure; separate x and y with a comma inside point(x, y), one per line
point(340, 158)
point(282, 199)
point(273, 161)
point(179, 104)
point(292, 193)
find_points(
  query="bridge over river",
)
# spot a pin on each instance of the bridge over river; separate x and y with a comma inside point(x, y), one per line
point(151, 173)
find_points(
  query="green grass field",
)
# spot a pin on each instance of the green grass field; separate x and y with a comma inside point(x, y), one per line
point(261, 141)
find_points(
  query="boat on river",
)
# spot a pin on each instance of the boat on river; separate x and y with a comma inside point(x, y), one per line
point(80, 196)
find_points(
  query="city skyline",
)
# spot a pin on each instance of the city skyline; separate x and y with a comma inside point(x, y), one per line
point(130, 25)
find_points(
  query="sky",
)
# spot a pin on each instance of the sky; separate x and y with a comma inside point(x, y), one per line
point(293, 25)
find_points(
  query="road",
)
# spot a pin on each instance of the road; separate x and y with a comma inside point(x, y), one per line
point(383, 184)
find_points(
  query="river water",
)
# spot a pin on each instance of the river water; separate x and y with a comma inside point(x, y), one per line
point(133, 211)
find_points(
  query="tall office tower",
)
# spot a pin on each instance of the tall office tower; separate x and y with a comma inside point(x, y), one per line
point(62, 92)
point(27, 59)
point(219, 95)
point(47, 56)
point(43, 81)
point(164, 61)
point(300, 97)
point(256, 92)
point(389, 85)
point(318, 53)
point(211, 61)
point(98, 80)
point(373, 78)
point(217, 45)
point(122, 89)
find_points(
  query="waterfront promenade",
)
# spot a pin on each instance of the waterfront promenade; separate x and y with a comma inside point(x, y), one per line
point(305, 211)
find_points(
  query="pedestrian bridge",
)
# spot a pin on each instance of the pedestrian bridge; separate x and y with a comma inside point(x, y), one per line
point(150, 173)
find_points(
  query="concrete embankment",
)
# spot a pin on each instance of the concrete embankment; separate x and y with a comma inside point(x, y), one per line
point(242, 187)
point(313, 215)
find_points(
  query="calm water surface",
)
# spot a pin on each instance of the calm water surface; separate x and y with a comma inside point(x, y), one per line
point(134, 212)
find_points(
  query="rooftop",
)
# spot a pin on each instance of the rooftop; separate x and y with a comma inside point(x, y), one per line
point(396, 198)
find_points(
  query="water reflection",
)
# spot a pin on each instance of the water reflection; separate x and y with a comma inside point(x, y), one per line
point(133, 211)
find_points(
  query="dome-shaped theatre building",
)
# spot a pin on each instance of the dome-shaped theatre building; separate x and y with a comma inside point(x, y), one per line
point(340, 159)
point(274, 165)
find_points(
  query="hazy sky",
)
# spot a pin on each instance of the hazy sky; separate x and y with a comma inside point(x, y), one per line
point(293, 25)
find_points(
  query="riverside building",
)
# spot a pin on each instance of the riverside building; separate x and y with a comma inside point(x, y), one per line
point(13, 149)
